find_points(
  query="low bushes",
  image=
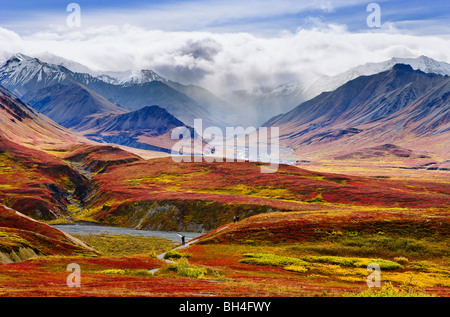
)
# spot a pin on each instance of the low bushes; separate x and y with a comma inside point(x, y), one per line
point(296, 268)
point(271, 260)
point(172, 255)
point(353, 262)
point(183, 268)
point(283, 261)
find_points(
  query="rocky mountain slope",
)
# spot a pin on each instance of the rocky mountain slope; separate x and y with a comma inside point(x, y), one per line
point(21, 124)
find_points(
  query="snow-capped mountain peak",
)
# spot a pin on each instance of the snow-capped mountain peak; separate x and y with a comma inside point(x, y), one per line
point(21, 70)
point(130, 77)
point(127, 77)
point(21, 73)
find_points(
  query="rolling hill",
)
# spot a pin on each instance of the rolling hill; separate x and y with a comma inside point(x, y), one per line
point(160, 194)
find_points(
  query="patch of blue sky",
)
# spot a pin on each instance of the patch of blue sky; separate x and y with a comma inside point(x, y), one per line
point(261, 17)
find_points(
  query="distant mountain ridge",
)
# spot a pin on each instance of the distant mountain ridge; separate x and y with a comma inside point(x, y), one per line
point(272, 101)
point(154, 118)
point(400, 106)
point(404, 105)
point(422, 63)
point(219, 108)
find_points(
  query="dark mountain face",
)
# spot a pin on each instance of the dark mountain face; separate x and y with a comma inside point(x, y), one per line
point(137, 96)
point(154, 119)
point(388, 107)
point(68, 105)
point(148, 128)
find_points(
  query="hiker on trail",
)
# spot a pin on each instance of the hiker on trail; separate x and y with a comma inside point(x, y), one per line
point(234, 219)
point(182, 238)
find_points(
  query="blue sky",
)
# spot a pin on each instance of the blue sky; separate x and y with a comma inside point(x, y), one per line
point(259, 17)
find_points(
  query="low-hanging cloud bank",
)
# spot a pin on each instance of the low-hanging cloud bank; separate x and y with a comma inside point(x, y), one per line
point(226, 61)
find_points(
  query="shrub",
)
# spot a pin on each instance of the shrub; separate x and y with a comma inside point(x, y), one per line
point(183, 268)
point(296, 268)
point(353, 262)
point(113, 271)
point(141, 273)
point(272, 260)
point(172, 255)
point(283, 261)
point(401, 260)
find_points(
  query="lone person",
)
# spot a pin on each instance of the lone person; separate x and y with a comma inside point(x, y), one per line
point(182, 238)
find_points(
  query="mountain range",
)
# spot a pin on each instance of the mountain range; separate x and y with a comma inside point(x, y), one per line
point(272, 101)
point(400, 101)
point(399, 106)
point(77, 101)
point(24, 75)
point(129, 77)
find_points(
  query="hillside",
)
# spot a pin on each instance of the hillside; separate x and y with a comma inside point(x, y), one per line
point(33, 181)
point(36, 183)
point(22, 124)
point(296, 227)
point(22, 237)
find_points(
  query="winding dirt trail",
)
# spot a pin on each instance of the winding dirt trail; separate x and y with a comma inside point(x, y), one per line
point(180, 247)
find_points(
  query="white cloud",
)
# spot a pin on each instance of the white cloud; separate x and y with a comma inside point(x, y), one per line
point(223, 61)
